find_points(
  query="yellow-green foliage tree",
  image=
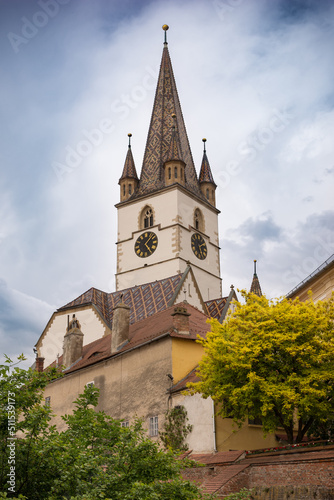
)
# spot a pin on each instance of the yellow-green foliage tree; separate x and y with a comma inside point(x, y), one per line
point(272, 360)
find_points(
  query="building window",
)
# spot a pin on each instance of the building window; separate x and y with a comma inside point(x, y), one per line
point(130, 189)
point(169, 173)
point(123, 189)
point(47, 401)
point(154, 426)
point(148, 218)
point(175, 172)
point(198, 220)
point(125, 423)
point(207, 193)
point(254, 421)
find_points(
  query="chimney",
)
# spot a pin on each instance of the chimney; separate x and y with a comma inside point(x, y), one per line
point(181, 320)
point(120, 325)
point(39, 364)
point(73, 342)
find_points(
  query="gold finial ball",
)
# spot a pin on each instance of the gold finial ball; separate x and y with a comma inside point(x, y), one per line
point(204, 140)
point(165, 27)
point(129, 135)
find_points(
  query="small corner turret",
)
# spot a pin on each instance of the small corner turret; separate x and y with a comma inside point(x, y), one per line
point(129, 179)
point(207, 184)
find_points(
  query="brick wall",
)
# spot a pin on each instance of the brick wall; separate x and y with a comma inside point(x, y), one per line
point(303, 474)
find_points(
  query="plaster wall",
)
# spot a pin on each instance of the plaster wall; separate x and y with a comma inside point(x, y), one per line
point(131, 385)
point(50, 343)
point(248, 437)
point(200, 415)
point(185, 357)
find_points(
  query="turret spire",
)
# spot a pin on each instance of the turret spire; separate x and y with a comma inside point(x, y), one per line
point(208, 186)
point(255, 286)
point(129, 179)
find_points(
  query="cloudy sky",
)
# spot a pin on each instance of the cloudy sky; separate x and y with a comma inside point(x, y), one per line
point(255, 77)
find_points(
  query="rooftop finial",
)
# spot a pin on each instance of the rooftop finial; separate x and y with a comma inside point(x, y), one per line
point(165, 28)
point(204, 141)
point(129, 136)
point(255, 266)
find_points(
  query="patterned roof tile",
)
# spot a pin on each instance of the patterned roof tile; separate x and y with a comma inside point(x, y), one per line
point(143, 300)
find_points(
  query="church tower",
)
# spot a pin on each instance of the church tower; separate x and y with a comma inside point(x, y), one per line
point(167, 219)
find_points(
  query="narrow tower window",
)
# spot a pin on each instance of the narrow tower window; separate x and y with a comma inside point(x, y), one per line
point(148, 218)
point(169, 173)
point(175, 172)
point(130, 189)
point(198, 220)
point(207, 193)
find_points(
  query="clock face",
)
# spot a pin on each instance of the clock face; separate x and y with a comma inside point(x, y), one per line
point(146, 244)
point(198, 246)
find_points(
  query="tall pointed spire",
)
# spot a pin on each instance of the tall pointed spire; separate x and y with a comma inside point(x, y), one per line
point(174, 150)
point(208, 185)
point(159, 137)
point(255, 286)
point(129, 179)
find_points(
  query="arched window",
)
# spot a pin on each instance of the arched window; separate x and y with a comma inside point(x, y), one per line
point(123, 189)
point(130, 189)
point(148, 217)
point(198, 220)
point(175, 172)
point(169, 173)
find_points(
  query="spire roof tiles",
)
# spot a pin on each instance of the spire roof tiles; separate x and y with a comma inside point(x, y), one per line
point(129, 169)
point(205, 172)
point(159, 139)
point(255, 286)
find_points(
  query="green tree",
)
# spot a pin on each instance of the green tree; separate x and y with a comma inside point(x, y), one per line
point(24, 427)
point(176, 429)
point(272, 360)
point(94, 457)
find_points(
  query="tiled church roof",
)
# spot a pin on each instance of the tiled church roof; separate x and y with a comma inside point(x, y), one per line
point(143, 300)
point(216, 307)
point(142, 332)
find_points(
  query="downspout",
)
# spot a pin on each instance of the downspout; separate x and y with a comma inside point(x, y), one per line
point(214, 427)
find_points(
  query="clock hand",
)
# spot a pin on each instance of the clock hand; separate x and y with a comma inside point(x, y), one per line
point(148, 241)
